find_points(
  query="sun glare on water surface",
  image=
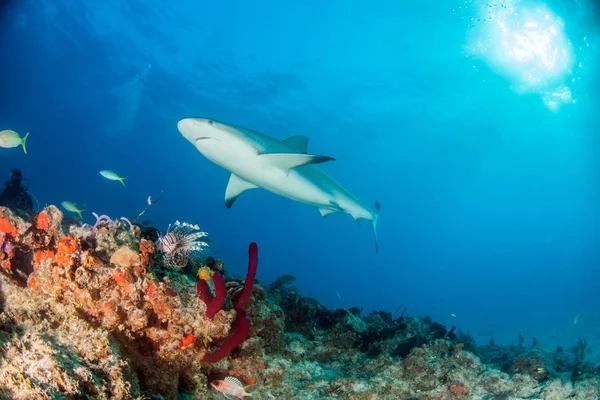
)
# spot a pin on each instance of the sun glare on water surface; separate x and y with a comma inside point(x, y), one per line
point(526, 42)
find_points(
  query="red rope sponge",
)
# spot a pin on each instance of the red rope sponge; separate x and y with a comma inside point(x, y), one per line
point(249, 282)
point(213, 304)
point(240, 330)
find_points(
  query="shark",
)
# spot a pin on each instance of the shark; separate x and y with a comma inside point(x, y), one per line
point(283, 167)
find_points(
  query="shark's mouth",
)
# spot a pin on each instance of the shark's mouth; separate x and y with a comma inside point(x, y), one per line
point(204, 138)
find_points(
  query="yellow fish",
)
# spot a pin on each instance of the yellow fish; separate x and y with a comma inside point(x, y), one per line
point(67, 205)
point(110, 175)
point(10, 139)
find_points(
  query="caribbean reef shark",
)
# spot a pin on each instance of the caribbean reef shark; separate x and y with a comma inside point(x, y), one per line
point(282, 167)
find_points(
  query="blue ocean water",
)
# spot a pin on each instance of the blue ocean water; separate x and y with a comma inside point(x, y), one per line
point(475, 125)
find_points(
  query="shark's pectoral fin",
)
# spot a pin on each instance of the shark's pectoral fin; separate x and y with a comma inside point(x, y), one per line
point(299, 143)
point(235, 187)
point(287, 161)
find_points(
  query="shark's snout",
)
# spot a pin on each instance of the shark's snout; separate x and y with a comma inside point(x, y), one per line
point(183, 125)
point(193, 128)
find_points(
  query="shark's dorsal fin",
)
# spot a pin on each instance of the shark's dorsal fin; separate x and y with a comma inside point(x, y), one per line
point(235, 187)
point(287, 161)
point(298, 143)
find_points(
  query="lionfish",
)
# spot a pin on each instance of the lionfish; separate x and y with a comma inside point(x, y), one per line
point(179, 242)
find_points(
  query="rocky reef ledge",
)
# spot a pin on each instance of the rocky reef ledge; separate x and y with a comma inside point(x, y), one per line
point(116, 311)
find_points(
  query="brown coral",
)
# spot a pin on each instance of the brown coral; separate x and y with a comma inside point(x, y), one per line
point(125, 257)
point(147, 250)
point(234, 290)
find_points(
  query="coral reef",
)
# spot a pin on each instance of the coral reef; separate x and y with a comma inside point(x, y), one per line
point(100, 312)
point(103, 275)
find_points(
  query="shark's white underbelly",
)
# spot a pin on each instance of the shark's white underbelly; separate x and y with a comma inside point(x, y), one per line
point(295, 185)
point(298, 188)
point(307, 184)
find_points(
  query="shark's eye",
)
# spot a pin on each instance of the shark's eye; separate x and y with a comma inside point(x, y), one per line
point(210, 122)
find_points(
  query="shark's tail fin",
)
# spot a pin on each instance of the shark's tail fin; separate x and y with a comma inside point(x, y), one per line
point(374, 225)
